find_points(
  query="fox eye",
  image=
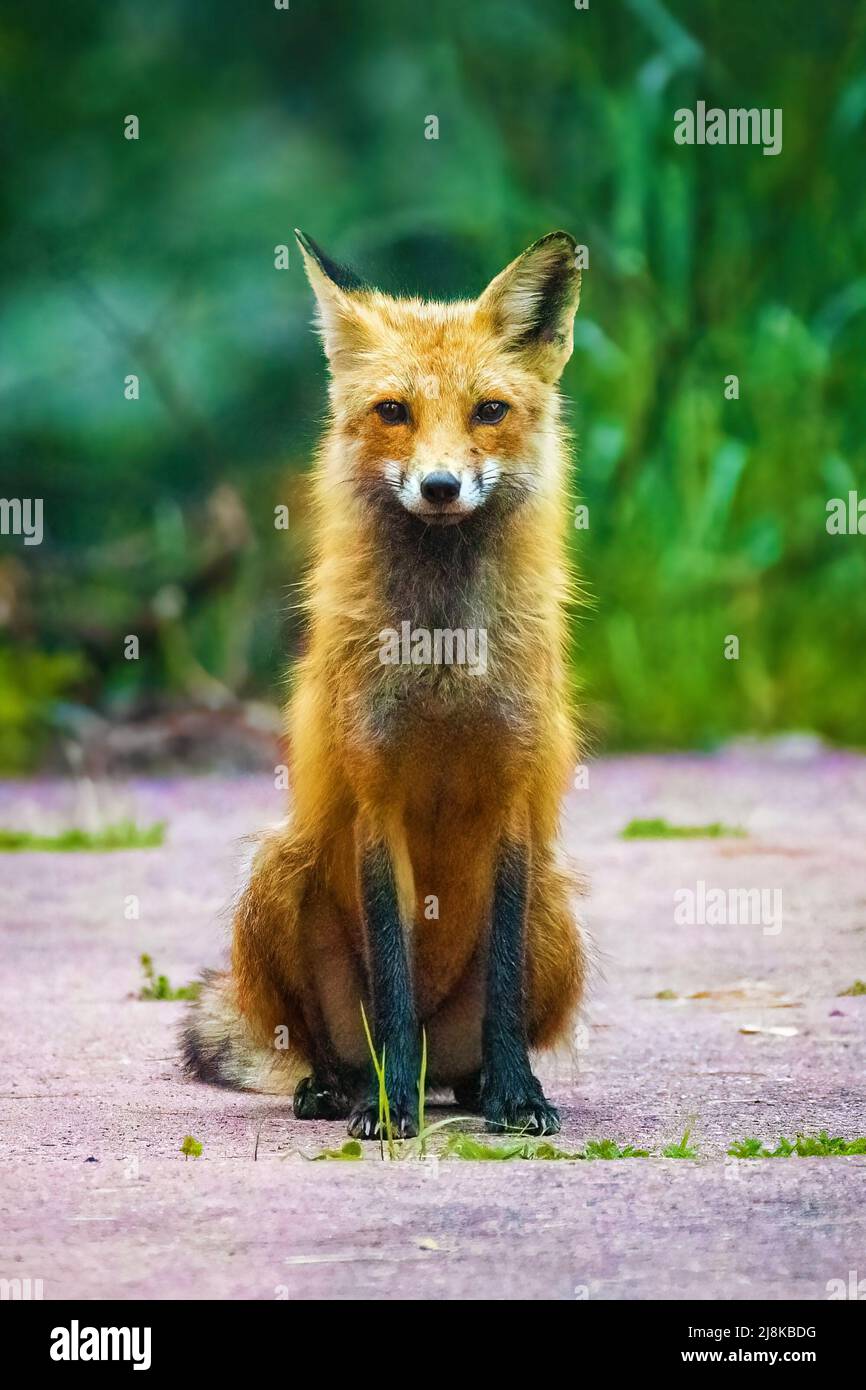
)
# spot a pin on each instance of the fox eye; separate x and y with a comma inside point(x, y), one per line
point(392, 412)
point(491, 412)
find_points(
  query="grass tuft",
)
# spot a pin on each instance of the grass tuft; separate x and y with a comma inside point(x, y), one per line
point(608, 1148)
point(819, 1145)
point(191, 1148)
point(521, 1147)
point(469, 1148)
point(350, 1151)
point(158, 987)
point(124, 835)
point(858, 987)
point(680, 1150)
point(660, 829)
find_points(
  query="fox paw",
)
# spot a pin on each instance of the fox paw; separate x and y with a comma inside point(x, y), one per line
point(522, 1107)
point(316, 1100)
point(364, 1121)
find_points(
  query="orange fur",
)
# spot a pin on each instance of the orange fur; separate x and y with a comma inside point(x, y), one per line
point(439, 762)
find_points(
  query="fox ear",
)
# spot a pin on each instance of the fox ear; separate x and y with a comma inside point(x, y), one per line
point(532, 304)
point(338, 318)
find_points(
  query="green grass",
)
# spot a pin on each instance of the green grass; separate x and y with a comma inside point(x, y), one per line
point(422, 1092)
point(681, 1150)
point(470, 1148)
point(467, 1146)
point(608, 1148)
point(158, 987)
point(858, 987)
point(660, 829)
point(350, 1151)
point(804, 1146)
point(124, 835)
point(191, 1148)
point(385, 1129)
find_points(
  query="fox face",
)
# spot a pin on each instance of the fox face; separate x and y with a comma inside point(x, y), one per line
point(445, 411)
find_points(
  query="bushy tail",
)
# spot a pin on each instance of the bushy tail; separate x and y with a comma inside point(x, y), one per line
point(219, 1046)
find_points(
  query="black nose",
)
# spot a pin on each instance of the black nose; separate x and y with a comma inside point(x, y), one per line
point(440, 487)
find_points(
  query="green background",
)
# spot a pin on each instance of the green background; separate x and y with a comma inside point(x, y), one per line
point(707, 515)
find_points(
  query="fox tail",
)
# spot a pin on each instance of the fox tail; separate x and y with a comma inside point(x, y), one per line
point(219, 1046)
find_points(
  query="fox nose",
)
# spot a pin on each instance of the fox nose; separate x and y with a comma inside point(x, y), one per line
point(440, 487)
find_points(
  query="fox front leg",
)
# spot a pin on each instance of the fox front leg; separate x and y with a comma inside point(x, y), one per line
point(510, 1096)
point(394, 1024)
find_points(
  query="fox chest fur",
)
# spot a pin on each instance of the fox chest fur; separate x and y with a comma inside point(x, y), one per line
point(438, 727)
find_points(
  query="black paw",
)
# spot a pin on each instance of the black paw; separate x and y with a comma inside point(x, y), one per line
point(316, 1100)
point(364, 1121)
point(521, 1107)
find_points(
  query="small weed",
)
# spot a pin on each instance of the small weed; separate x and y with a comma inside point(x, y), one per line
point(660, 829)
point(747, 1148)
point(125, 835)
point(608, 1148)
point(157, 986)
point(858, 987)
point(680, 1150)
point(466, 1146)
point(667, 994)
point(191, 1148)
point(350, 1151)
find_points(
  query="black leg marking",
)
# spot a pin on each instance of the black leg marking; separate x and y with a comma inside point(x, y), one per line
point(394, 1024)
point(511, 1097)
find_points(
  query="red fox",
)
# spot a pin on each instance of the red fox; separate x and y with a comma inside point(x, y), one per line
point(418, 871)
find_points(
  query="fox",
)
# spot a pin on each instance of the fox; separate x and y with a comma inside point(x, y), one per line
point(417, 888)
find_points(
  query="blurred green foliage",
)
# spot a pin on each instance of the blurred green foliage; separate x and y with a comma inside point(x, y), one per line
point(156, 256)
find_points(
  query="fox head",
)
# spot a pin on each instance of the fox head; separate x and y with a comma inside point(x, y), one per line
point(445, 411)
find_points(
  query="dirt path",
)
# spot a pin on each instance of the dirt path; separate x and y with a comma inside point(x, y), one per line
point(96, 1200)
